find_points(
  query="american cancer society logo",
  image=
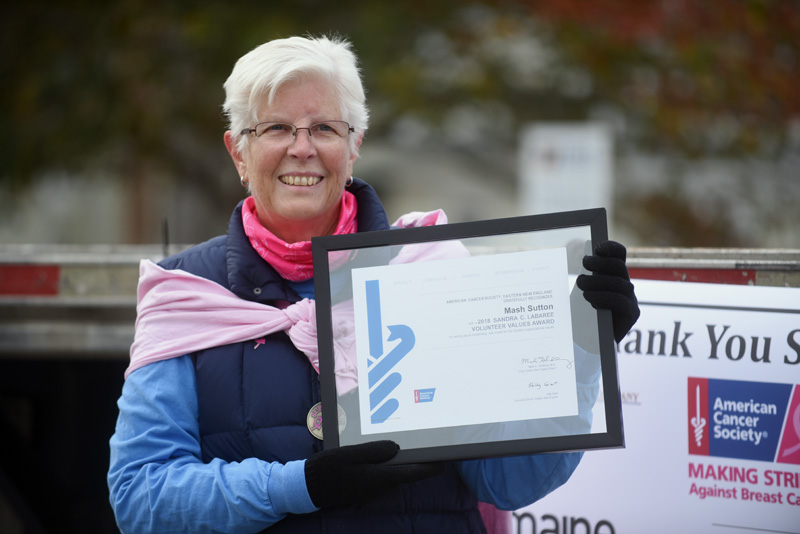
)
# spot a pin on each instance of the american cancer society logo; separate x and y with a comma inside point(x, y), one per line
point(424, 395)
point(747, 420)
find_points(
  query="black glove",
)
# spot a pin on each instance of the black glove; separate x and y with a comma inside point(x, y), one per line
point(610, 287)
point(355, 474)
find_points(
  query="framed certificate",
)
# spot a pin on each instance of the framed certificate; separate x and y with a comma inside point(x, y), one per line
point(466, 340)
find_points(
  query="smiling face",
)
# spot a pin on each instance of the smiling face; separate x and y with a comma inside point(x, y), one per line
point(297, 186)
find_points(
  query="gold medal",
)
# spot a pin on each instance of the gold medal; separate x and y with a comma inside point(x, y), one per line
point(314, 420)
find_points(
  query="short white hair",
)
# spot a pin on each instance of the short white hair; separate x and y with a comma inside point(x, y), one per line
point(263, 70)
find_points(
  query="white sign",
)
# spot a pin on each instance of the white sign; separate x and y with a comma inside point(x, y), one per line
point(565, 167)
point(424, 330)
point(710, 379)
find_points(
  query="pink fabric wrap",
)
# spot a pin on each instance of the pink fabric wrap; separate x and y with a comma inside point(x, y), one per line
point(438, 250)
point(496, 521)
point(179, 313)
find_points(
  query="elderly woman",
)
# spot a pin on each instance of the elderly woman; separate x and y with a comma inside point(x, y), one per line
point(212, 435)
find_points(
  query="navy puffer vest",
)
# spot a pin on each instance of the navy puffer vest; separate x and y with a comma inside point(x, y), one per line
point(254, 398)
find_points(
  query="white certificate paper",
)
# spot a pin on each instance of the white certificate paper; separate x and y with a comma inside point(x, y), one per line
point(464, 341)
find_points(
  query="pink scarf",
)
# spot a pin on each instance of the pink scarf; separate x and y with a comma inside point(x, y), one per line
point(292, 260)
point(179, 313)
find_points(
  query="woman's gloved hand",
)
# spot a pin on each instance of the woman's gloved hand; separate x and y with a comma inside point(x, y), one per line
point(609, 286)
point(355, 474)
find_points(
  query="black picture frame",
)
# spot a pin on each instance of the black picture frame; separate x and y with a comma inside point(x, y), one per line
point(591, 221)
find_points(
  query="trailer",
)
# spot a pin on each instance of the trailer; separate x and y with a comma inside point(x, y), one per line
point(66, 325)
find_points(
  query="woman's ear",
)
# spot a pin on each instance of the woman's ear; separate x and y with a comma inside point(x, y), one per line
point(354, 156)
point(236, 155)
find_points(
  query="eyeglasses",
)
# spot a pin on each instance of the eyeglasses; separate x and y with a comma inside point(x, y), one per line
point(284, 132)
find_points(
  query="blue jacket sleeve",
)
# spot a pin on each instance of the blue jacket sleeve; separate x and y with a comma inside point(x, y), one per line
point(157, 480)
point(513, 482)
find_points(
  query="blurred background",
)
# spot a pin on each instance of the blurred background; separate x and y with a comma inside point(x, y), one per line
point(112, 131)
point(112, 120)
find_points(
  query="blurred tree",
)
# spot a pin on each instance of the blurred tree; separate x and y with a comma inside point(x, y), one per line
point(696, 80)
point(703, 78)
point(132, 90)
point(685, 80)
point(115, 88)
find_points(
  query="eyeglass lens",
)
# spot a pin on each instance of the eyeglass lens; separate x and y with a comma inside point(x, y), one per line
point(321, 131)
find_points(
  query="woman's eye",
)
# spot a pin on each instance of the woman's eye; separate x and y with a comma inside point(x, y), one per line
point(322, 128)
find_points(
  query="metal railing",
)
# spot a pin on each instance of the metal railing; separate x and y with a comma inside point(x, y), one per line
point(79, 302)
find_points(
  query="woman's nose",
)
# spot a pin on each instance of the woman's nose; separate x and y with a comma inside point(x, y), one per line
point(302, 145)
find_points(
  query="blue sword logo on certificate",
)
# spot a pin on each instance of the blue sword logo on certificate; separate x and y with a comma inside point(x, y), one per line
point(382, 378)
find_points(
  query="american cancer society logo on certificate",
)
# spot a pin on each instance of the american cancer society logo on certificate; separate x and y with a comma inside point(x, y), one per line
point(424, 395)
point(747, 420)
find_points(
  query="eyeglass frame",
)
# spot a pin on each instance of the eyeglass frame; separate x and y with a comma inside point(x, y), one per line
point(254, 129)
